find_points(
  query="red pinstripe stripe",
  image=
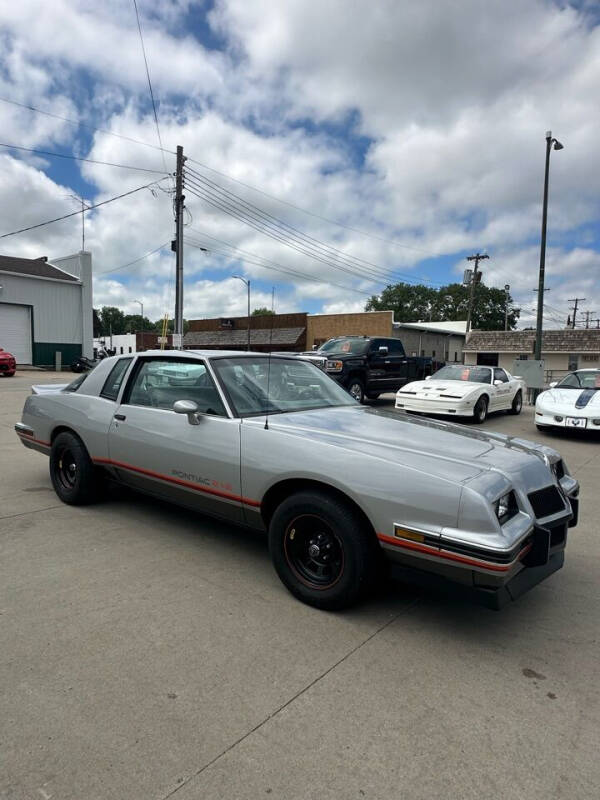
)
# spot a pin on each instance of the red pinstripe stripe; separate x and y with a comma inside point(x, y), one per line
point(188, 484)
point(421, 548)
point(29, 437)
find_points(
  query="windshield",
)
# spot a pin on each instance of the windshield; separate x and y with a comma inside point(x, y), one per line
point(259, 384)
point(356, 346)
point(458, 372)
point(581, 380)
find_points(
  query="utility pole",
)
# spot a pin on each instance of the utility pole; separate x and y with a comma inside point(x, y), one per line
point(179, 206)
point(475, 278)
point(575, 300)
point(588, 314)
point(550, 141)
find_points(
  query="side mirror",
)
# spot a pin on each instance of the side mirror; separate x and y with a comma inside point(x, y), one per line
point(383, 351)
point(498, 383)
point(427, 377)
point(187, 407)
point(553, 384)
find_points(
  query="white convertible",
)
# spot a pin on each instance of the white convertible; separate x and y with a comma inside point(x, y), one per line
point(574, 402)
point(463, 391)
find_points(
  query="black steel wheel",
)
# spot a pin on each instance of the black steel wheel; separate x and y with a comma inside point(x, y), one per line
point(517, 403)
point(480, 411)
point(321, 550)
point(356, 390)
point(72, 472)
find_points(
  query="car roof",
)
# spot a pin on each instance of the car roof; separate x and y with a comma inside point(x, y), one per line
point(212, 353)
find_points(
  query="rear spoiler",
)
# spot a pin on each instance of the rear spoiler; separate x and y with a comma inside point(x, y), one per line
point(48, 388)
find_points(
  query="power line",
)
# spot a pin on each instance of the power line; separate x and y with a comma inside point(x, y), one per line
point(271, 220)
point(260, 262)
point(271, 226)
point(135, 261)
point(75, 213)
point(80, 158)
point(137, 16)
point(313, 214)
point(79, 124)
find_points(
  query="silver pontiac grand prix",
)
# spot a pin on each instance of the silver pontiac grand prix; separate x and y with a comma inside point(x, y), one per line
point(275, 444)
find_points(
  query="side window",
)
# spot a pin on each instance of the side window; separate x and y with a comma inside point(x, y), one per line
point(111, 387)
point(395, 347)
point(500, 375)
point(159, 383)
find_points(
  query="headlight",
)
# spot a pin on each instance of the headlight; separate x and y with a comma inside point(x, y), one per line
point(334, 366)
point(506, 507)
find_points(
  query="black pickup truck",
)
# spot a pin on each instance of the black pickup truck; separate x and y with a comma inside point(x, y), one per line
point(367, 366)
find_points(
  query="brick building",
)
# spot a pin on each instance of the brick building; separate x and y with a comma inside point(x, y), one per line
point(283, 332)
point(302, 331)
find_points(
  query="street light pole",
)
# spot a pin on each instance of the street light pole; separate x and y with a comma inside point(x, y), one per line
point(506, 288)
point(139, 302)
point(247, 282)
point(540, 307)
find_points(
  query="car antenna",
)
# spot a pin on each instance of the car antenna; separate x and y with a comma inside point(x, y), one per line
point(269, 362)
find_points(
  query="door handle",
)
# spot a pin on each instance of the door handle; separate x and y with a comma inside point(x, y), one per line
point(120, 417)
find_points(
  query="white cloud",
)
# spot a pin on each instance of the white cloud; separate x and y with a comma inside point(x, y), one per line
point(454, 97)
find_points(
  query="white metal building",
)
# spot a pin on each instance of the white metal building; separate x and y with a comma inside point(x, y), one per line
point(46, 307)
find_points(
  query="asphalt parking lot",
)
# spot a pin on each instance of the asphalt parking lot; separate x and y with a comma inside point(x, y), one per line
point(147, 652)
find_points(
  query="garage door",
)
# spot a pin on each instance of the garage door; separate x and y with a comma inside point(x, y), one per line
point(15, 331)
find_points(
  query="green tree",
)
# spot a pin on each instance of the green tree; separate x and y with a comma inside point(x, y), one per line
point(448, 303)
point(113, 320)
point(263, 312)
point(135, 322)
point(97, 323)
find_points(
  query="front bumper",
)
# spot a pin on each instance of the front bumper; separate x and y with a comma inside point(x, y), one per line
point(493, 585)
point(490, 598)
point(447, 406)
point(588, 421)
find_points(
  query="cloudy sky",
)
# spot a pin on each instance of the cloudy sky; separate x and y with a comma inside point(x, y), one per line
point(386, 139)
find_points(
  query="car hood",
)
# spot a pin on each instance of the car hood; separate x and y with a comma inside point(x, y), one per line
point(449, 451)
point(432, 386)
point(566, 399)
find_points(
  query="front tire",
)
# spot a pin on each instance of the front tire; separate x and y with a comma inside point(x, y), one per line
point(356, 390)
point(517, 404)
point(480, 411)
point(321, 550)
point(72, 472)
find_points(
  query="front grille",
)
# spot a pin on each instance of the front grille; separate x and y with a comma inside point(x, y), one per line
point(546, 502)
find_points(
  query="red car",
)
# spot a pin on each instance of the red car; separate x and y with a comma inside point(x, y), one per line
point(8, 365)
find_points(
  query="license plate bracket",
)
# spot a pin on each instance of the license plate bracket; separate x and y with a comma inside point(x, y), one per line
point(576, 422)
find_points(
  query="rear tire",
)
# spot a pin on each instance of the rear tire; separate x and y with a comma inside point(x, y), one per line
point(74, 477)
point(480, 411)
point(321, 550)
point(517, 404)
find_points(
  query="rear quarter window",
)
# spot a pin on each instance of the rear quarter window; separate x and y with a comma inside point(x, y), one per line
point(111, 387)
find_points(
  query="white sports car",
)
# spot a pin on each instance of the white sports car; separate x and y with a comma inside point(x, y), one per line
point(574, 402)
point(463, 391)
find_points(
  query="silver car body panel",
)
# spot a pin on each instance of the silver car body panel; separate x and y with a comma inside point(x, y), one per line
point(427, 488)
